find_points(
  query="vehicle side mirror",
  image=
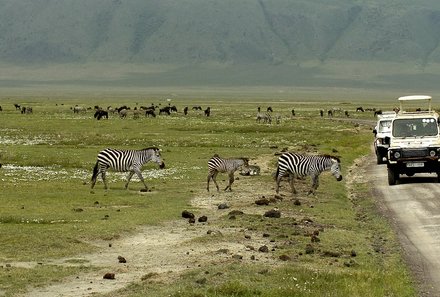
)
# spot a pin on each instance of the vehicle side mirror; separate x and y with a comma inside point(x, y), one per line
point(374, 132)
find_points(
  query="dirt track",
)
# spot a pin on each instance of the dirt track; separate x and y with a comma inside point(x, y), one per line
point(413, 207)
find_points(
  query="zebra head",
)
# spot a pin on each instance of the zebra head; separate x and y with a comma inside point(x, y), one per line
point(157, 158)
point(335, 168)
point(245, 165)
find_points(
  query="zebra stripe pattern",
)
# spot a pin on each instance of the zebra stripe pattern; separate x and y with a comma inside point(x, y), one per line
point(291, 165)
point(125, 161)
point(217, 164)
point(266, 117)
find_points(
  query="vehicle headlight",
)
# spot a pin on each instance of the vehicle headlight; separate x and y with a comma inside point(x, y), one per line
point(432, 153)
point(396, 155)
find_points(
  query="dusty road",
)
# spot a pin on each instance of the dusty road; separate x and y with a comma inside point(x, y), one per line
point(414, 209)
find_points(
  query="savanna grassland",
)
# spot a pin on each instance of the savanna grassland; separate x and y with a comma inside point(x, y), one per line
point(332, 244)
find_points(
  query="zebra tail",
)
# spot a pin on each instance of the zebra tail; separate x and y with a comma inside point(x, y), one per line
point(276, 173)
point(95, 172)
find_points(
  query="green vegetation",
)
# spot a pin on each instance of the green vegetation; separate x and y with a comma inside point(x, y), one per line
point(48, 211)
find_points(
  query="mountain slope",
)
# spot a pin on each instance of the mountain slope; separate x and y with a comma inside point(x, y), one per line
point(228, 32)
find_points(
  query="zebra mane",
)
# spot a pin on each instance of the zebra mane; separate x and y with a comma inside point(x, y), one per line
point(331, 157)
point(150, 148)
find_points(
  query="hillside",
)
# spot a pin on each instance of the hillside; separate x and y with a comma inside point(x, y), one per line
point(365, 43)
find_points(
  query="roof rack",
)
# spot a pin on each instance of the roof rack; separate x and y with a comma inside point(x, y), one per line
point(415, 98)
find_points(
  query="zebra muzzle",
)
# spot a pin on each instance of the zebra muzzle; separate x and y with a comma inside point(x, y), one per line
point(339, 178)
point(162, 165)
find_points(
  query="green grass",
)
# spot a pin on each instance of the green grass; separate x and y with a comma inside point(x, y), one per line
point(48, 210)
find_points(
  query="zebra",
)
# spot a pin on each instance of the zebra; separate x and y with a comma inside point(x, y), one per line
point(292, 164)
point(265, 116)
point(125, 161)
point(217, 164)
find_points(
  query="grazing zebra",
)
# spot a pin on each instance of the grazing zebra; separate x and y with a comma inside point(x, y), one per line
point(217, 164)
point(292, 164)
point(125, 161)
point(266, 117)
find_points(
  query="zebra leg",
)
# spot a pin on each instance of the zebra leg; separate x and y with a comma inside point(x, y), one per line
point(291, 179)
point(207, 183)
point(129, 176)
point(139, 174)
point(315, 184)
point(277, 189)
point(215, 182)
point(231, 180)
point(104, 180)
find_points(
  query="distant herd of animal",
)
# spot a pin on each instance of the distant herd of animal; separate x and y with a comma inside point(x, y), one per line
point(152, 110)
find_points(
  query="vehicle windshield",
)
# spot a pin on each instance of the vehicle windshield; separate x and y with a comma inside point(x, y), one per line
point(415, 127)
point(384, 126)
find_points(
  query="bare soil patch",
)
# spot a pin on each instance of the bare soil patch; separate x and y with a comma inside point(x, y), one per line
point(164, 251)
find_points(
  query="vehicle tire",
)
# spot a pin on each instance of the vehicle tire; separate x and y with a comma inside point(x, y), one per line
point(379, 159)
point(393, 176)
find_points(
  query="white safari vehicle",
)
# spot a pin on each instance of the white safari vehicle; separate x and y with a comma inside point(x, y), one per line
point(415, 141)
point(382, 133)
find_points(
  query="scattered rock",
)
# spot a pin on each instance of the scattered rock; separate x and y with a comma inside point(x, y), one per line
point(263, 249)
point(284, 258)
point(273, 213)
point(297, 202)
point(109, 276)
point(203, 219)
point(192, 220)
point(262, 201)
point(187, 215)
point(278, 197)
point(353, 253)
point(237, 257)
point(223, 251)
point(331, 254)
point(122, 259)
point(223, 206)
point(236, 213)
point(78, 210)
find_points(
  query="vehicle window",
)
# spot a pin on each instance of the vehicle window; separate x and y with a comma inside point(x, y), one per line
point(415, 127)
point(385, 126)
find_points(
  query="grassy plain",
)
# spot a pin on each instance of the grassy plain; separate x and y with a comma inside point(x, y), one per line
point(48, 211)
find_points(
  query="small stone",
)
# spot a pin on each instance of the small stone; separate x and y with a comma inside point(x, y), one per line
point(109, 276)
point(122, 259)
point(223, 206)
point(263, 249)
point(203, 219)
point(284, 258)
point(272, 214)
point(187, 215)
point(262, 201)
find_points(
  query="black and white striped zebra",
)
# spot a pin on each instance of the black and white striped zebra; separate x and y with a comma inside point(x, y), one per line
point(125, 161)
point(217, 164)
point(292, 164)
point(266, 117)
